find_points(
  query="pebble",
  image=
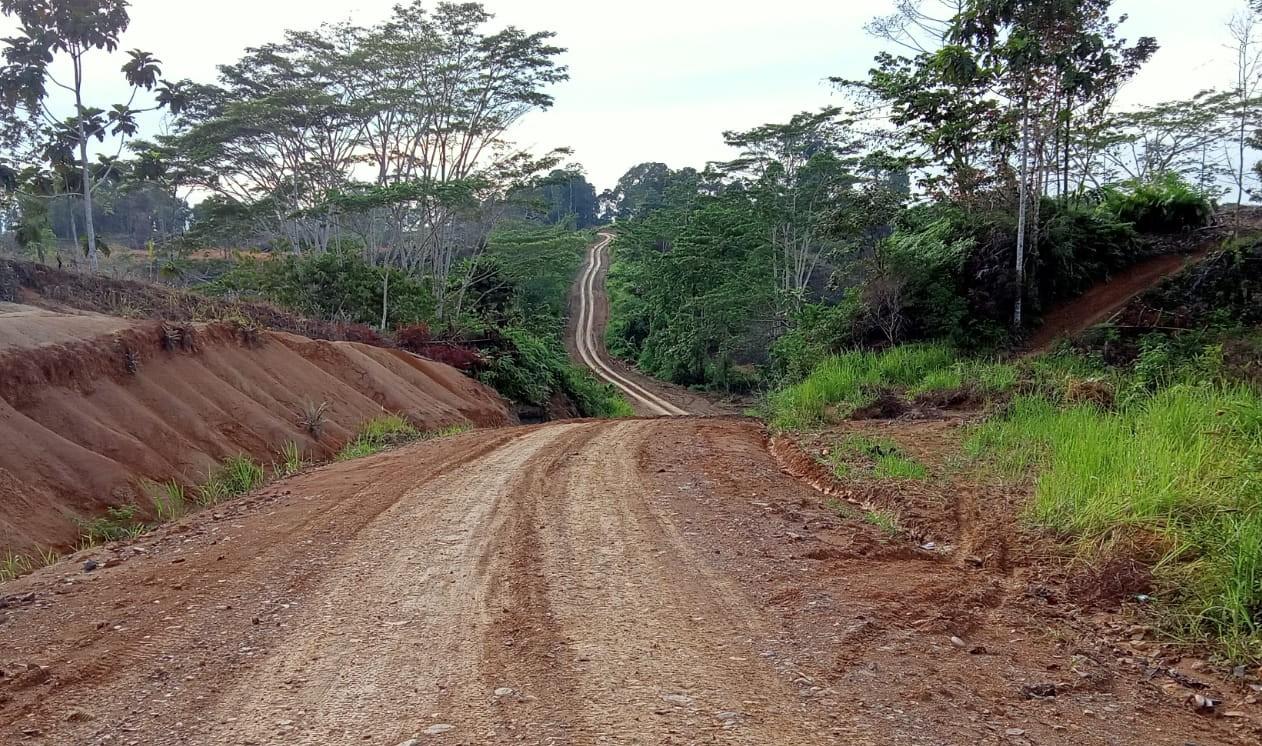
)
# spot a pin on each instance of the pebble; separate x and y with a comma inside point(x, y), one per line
point(503, 691)
point(679, 700)
point(438, 729)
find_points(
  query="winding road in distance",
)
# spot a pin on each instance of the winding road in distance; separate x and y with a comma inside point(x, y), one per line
point(648, 397)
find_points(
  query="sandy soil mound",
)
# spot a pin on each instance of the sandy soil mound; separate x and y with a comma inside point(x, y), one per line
point(91, 406)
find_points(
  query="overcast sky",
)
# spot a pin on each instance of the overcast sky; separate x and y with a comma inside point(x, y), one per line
point(662, 79)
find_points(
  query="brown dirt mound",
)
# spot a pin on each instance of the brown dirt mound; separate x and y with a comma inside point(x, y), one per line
point(90, 407)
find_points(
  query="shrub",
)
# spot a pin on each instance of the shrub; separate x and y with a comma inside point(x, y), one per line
point(312, 418)
point(1167, 204)
point(334, 284)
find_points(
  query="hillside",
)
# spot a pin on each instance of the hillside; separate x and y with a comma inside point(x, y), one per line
point(91, 406)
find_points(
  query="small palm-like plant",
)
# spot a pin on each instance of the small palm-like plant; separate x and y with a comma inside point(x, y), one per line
point(312, 418)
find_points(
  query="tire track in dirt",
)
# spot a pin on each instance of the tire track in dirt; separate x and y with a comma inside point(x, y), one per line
point(588, 333)
point(396, 636)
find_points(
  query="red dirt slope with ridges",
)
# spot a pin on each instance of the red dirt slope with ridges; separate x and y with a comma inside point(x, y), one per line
point(79, 431)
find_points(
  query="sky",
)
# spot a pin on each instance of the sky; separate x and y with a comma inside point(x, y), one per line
point(660, 80)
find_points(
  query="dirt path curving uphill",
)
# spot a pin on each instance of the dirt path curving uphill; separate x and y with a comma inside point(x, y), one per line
point(1101, 302)
point(589, 305)
point(653, 581)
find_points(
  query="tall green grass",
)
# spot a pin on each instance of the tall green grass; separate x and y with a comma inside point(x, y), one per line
point(237, 475)
point(848, 382)
point(1182, 469)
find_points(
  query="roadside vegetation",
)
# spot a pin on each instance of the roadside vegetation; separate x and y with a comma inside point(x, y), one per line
point(1158, 460)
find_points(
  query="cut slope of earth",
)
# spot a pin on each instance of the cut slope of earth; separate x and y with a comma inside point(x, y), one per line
point(633, 582)
point(91, 406)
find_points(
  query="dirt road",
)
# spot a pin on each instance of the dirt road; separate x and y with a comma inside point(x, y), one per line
point(589, 314)
point(636, 582)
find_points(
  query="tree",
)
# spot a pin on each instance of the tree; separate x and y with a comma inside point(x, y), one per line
point(51, 30)
point(424, 101)
point(1045, 56)
point(801, 176)
point(1245, 29)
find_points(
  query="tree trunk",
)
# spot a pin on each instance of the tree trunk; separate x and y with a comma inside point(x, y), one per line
point(1024, 189)
point(385, 298)
point(89, 226)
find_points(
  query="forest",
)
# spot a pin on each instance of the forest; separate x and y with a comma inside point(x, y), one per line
point(903, 251)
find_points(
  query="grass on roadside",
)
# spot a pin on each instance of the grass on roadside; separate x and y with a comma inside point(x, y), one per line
point(389, 431)
point(878, 457)
point(1180, 471)
point(237, 475)
point(845, 383)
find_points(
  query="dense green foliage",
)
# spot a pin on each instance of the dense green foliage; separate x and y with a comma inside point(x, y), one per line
point(688, 292)
point(515, 301)
point(1164, 205)
point(336, 285)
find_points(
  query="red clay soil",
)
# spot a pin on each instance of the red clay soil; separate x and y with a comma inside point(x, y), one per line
point(1101, 302)
point(92, 406)
point(632, 582)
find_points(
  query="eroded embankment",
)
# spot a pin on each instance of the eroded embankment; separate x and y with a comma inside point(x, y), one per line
point(85, 421)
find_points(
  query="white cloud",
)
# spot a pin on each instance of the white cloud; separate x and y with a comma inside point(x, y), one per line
point(662, 79)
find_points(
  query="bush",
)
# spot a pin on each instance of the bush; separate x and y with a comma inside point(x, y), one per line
point(337, 284)
point(1167, 204)
point(842, 384)
point(1080, 245)
point(529, 369)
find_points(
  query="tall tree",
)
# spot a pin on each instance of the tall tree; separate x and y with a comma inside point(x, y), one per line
point(802, 177)
point(52, 31)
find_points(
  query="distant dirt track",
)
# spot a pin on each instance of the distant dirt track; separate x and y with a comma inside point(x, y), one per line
point(588, 338)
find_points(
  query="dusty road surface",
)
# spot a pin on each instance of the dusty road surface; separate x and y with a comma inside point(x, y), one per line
point(635, 582)
point(589, 305)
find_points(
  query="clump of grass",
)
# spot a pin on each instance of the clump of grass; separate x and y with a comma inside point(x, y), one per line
point(392, 430)
point(13, 565)
point(899, 466)
point(235, 476)
point(884, 519)
point(290, 462)
point(48, 556)
point(169, 501)
point(879, 457)
point(845, 383)
point(1183, 467)
point(120, 523)
point(378, 434)
point(450, 431)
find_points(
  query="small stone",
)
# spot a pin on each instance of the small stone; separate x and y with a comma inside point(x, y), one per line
point(90, 565)
point(679, 700)
point(503, 691)
point(1014, 732)
point(438, 729)
point(957, 642)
